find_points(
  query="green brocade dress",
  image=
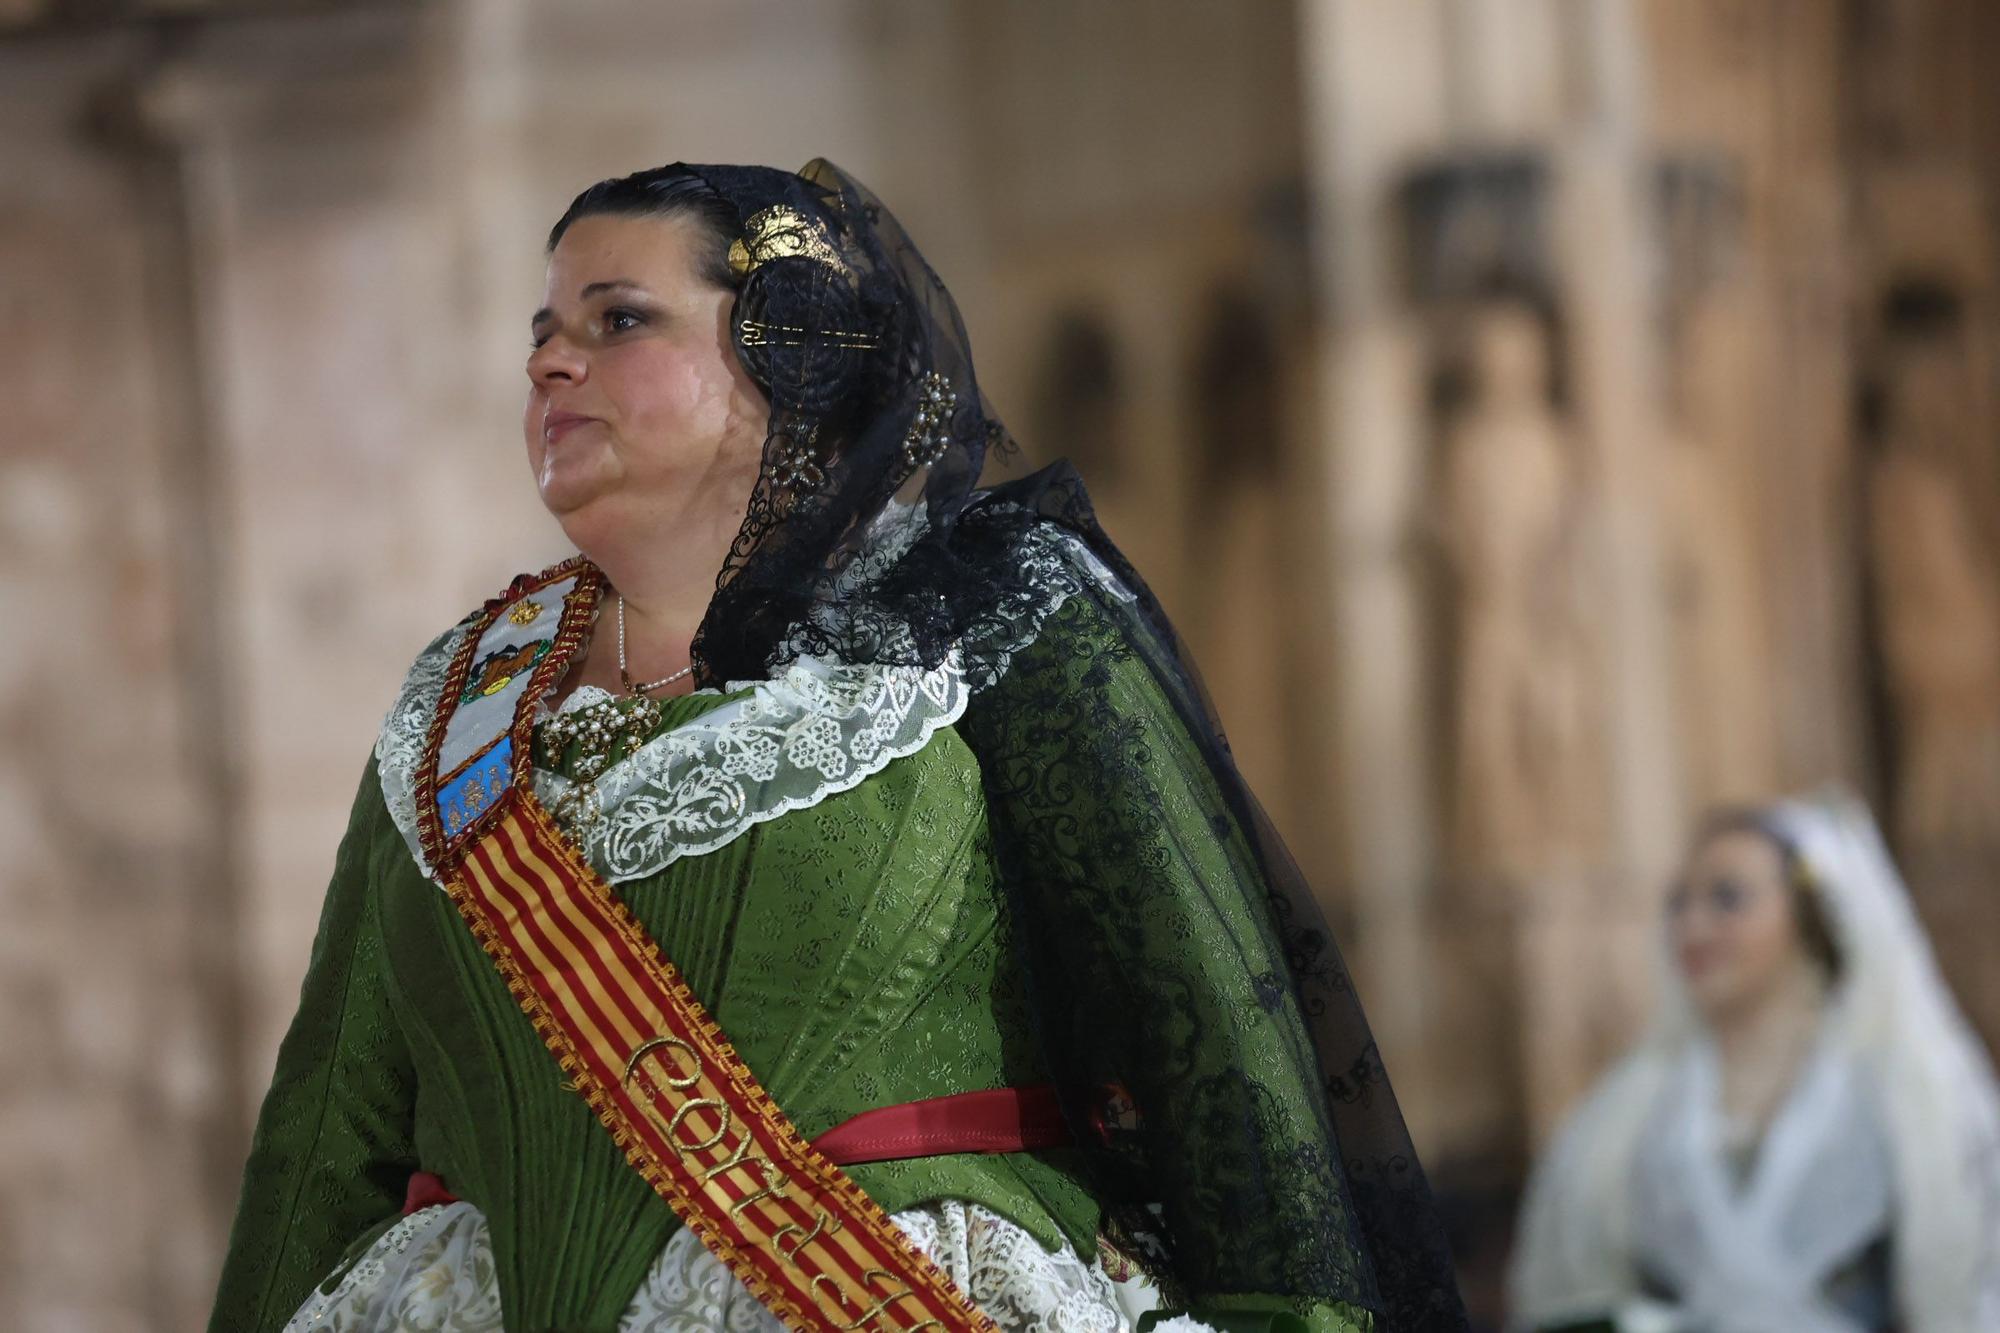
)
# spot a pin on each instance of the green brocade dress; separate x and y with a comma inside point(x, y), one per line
point(855, 951)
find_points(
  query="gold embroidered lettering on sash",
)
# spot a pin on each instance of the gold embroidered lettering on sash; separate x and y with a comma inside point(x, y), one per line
point(677, 1082)
point(822, 1225)
point(769, 1180)
point(774, 1187)
point(869, 1284)
point(736, 1159)
point(672, 1127)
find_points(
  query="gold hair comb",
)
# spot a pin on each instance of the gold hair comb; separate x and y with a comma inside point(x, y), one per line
point(780, 232)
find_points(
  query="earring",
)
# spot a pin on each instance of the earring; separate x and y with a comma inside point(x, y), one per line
point(928, 438)
point(795, 467)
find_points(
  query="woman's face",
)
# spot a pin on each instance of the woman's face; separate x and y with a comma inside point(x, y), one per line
point(1732, 923)
point(639, 414)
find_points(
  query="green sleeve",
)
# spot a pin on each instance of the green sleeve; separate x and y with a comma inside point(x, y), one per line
point(332, 1150)
point(1160, 970)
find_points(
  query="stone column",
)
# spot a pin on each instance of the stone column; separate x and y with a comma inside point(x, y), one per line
point(1518, 991)
point(120, 1127)
point(1926, 270)
point(1375, 99)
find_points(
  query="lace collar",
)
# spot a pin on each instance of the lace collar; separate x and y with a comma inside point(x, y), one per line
point(818, 728)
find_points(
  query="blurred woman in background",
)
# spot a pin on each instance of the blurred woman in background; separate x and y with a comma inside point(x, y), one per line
point(1809, 1139)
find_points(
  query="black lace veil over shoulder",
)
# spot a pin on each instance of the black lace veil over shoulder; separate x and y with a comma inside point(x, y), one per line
point(1192, 1006)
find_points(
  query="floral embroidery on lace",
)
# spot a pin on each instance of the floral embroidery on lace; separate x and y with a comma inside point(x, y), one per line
point(820, 728)
point(434, 1271)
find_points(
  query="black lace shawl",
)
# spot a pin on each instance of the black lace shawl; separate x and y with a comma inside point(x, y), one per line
point(1191, 1004)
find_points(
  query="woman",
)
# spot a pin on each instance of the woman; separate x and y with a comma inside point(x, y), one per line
point(1809, 1140)
point(916, 804)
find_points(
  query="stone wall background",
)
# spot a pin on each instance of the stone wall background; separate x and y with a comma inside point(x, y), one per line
point(1545, 417)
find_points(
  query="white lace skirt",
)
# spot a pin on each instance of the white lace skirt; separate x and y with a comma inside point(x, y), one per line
point(433, 1271)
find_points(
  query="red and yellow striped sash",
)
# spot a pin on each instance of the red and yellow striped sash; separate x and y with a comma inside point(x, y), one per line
point(691, 1117)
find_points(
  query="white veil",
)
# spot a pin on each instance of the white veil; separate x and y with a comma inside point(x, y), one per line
point(1893, 1015)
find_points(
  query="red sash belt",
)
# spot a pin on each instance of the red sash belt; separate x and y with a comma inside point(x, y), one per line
point(996, 1120)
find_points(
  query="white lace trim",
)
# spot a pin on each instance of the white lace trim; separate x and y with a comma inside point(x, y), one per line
point(820, 728)
point(400, 747)
point(434, 1270)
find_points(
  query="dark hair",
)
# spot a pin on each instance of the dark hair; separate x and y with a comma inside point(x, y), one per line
point(1808, 910)
point(665, 192)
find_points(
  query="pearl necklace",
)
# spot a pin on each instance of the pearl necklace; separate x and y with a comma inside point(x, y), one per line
point(625, 676)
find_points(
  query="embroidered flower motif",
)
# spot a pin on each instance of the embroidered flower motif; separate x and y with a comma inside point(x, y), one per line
point(868, 743)
point(817, 745)
point(749, 754)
